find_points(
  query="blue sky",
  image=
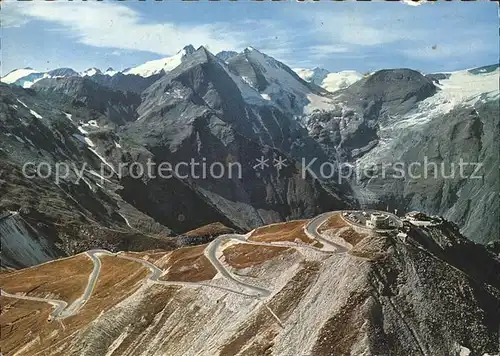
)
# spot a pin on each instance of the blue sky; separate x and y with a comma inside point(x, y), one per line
point(433, 37)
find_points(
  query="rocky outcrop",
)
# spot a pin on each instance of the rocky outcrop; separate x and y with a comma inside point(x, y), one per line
point(389, 92)
point(125, 82)
point(116, 106)
point(393, 120)
point(22, 245)
point(350, 128)
point(226, 55)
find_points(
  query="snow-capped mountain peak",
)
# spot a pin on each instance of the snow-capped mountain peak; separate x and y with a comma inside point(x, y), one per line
point(26, 77)
point(273, 80)
point(90, 72)
point(110, 71)
point(17, 74)
point(62, 72)
point(163, 64)
point(188, 49)
point(340, 80)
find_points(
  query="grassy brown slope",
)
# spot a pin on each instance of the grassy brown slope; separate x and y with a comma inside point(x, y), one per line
point(214, 229)
point(255, 336)
point(340, 332)
point(152, 256)
point(63, 279)
point(352, 236)
point(118, 279)
point(244, 255)
point(287, 231)
point(19, 319)
point(188, 264)
point(334, 222)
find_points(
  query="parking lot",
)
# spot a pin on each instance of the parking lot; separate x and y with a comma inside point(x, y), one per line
point(360, 218)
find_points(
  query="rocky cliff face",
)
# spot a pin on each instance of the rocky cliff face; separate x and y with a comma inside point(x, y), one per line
point(464, 135)
point(350, 128)
point(118, 107)
point(22, 244)
point(389, 92)
point(197, 112)
point(126, 82)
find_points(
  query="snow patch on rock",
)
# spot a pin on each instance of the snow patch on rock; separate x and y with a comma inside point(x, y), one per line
point(17, 74)
point(35, 114)
point(156, 66)
point(340, 80)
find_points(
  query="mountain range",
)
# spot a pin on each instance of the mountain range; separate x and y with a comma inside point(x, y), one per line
point(26, 77)
point(259, 243)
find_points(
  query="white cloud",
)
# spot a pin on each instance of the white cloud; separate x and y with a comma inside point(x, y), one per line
point(122, 28)
point(118, 26)
point(413, 3)
point(360, 28)
point(12, 19)
point(316, 54)
point(368, 34)
point(351, 27)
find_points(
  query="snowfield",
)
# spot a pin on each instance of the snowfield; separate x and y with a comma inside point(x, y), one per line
point(17, 74)
point(340, 80)
point(461, 88)
point(90, 72)
point(156, 66)
point(317, 102)
point(329, 81)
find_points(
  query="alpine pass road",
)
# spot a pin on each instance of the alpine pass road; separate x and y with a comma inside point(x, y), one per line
point(62, 310)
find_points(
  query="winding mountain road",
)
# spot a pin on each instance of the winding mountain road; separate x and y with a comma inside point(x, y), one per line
point(311, 230)
point(62, 310)
point(59, 305)
point(156, 273)
point(80, 302)
point(210, 253)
